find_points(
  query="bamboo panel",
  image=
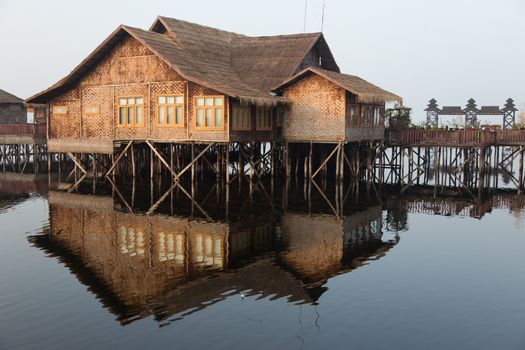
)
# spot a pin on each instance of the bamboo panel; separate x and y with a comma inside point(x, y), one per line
point(102, 146)
point(97, 125)
point(65, 125)
point(317, 111)
point(129, 62)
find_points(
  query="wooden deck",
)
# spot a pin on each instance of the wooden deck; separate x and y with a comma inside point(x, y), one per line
point(455, 138)
point(22, 134)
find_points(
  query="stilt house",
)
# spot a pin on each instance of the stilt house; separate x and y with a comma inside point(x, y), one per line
point(183, 82)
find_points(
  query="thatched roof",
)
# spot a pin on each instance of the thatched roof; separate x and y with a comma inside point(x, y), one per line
point(236, 65)
point(6, 97)
point(363, 90)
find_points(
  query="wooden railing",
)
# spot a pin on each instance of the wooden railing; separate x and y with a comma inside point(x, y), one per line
point(441, 137)
point(510, 137)
point(36, 130)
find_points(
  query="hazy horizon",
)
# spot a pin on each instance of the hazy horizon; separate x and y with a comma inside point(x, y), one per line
point(449, 50)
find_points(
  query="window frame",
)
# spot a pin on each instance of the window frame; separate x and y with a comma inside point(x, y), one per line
point(166, 105)
point(195, 108)
point(240, 108)
point(60, 113)
point(279, 117)
point(270, 115)
point(95, 113)
point(126, 108)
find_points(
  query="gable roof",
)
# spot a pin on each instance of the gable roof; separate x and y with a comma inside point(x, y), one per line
point(6, 97)
point(236, 65)
point(365, 92)
point(261, 61)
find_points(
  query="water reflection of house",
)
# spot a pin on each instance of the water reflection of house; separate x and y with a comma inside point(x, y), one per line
point(141, 265)
point(320, 246)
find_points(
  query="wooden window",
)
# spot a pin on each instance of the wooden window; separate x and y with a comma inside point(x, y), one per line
point(170, 111)
point(209, 112)
point(351, 115)
point(241, 118)
point(263, 119)
point(91, 110)
point(279, 119)
point(59, 109)
point(131, 111)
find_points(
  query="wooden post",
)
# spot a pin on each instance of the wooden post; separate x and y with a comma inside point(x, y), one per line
point(310, 160)
point(287, 164)
point(521, 184)
point(337, 163)
point(227, 169)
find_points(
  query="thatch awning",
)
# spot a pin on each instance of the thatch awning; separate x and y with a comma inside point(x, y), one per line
point(6, 97)
point(364, 91)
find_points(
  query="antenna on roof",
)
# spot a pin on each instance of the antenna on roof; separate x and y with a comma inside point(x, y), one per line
point(305, 7)
point(322, 19)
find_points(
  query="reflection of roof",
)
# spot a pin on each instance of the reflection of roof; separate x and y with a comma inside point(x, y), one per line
point(233, 64)
point(365, 91)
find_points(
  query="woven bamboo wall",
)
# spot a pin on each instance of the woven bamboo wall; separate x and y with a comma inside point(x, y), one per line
point(65, 126)
point(98, 125)
point(317, 111)
point(129, 69)
point(129, 62)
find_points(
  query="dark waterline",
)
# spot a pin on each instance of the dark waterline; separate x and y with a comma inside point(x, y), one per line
point(268, 271)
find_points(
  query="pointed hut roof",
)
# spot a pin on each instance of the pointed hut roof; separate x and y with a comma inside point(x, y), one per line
point(236, 65)
point(432, 106)
point(6, 97)
point(509, 105)
point(471, 106)
point(365, 92)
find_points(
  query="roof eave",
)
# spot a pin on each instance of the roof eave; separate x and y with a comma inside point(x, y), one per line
point(360, 96)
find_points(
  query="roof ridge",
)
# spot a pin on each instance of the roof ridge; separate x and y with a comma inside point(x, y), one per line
point(197, 24)
point(312, 34)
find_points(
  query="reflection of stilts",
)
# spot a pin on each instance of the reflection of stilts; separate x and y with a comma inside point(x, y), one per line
point(24, 158)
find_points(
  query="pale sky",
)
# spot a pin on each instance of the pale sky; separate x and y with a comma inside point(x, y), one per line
point(447, 49)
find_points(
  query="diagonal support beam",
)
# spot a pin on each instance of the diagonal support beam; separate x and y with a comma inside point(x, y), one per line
point(336, 148)
point(119, 157)
point(77, 162)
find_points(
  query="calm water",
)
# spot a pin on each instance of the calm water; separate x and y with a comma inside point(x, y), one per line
point(273, 270)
